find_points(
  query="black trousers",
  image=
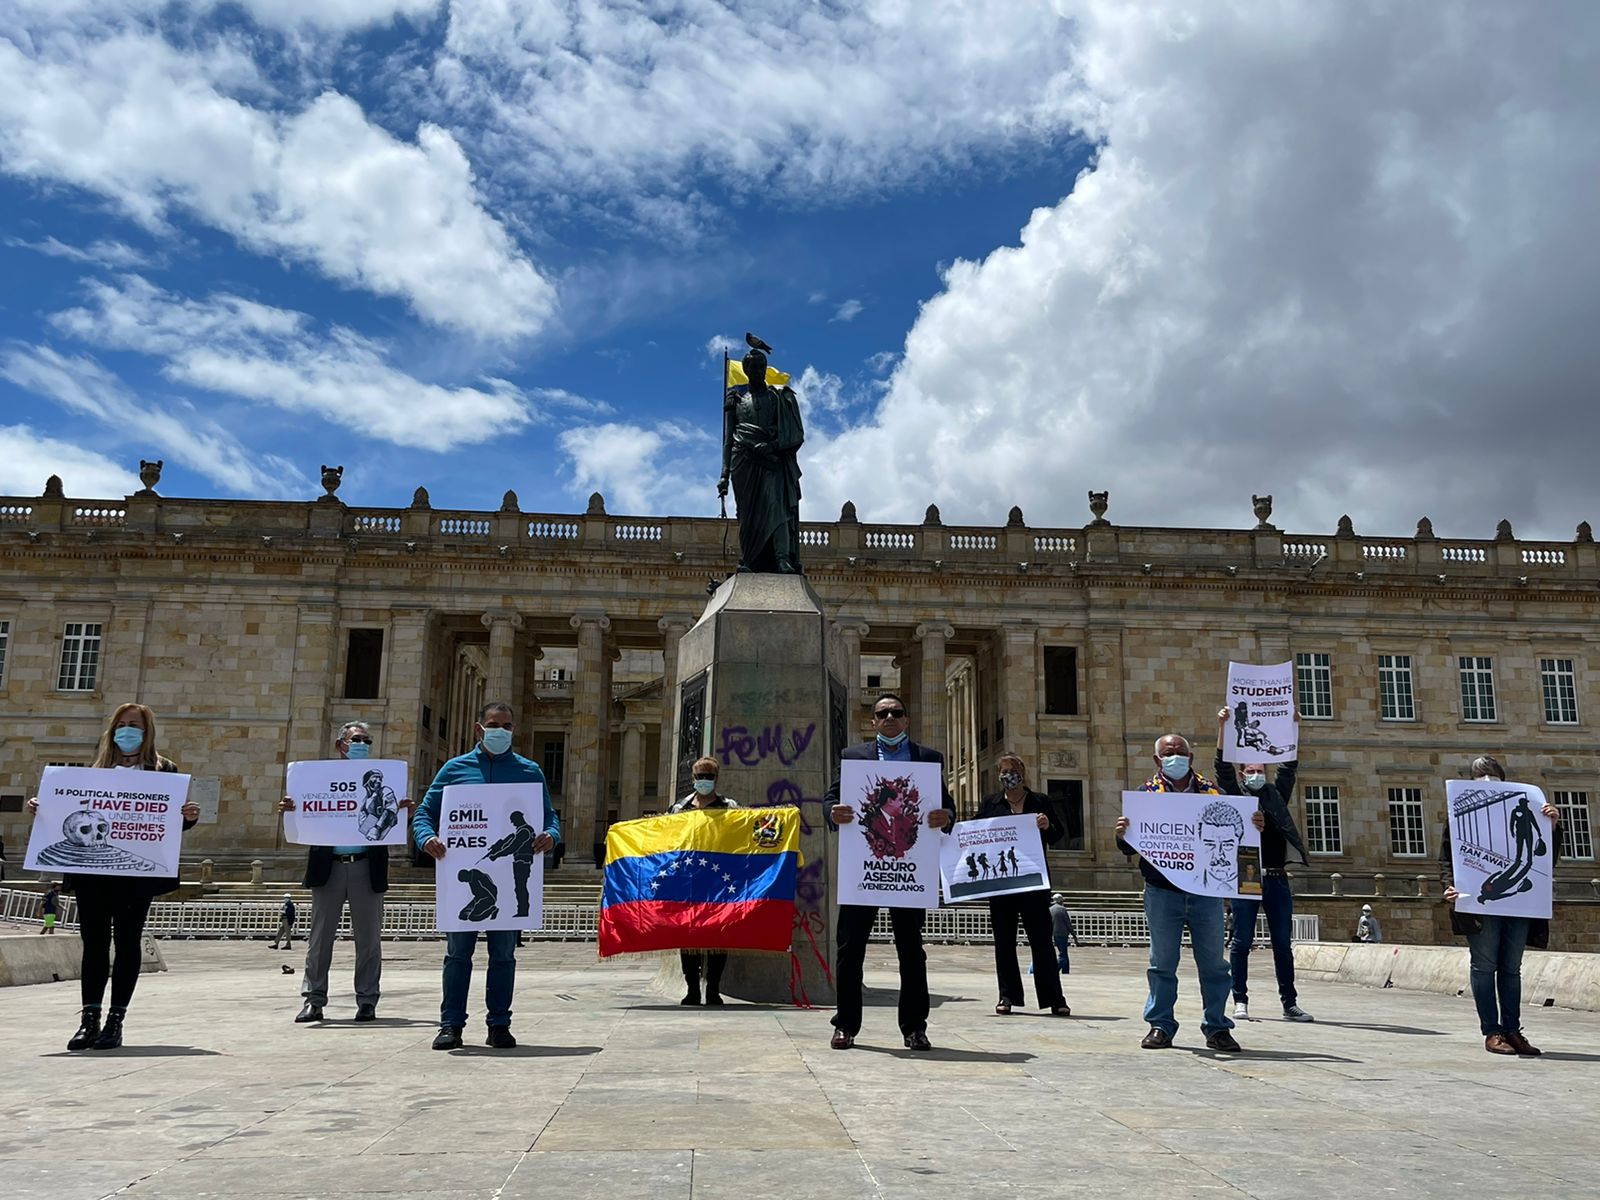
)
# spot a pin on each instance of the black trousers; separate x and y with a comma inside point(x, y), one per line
point(111, 910)
point(855, 927)
point(1033, 910)
point(715, 960)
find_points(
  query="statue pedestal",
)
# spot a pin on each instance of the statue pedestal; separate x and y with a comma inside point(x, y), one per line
point(760, 688)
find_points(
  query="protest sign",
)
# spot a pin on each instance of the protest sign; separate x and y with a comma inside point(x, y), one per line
point(346, 802)
point(1261, 726)
point(108, 822)
point(888, 855)
point(1202, 844)
point(1502, 846)
point(490, 877)
point(993, 857)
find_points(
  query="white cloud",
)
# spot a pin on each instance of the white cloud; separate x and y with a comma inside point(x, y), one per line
point(239, 347)
point(83, 386)
point(1341, 254)
point(133, 119)
point(327, 15)
point(848, 311)
point(731, 344)
point(102, 253)
point(28, 458)
point(667, 467)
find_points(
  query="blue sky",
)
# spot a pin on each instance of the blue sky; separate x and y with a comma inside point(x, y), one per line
point(1010, 252)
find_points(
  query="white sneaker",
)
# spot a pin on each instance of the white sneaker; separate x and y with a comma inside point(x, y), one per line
point(1295, 1013)
point(1241, 1011)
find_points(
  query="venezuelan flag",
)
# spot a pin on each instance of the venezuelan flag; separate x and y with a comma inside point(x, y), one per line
point(737, 377)
point(720, 879)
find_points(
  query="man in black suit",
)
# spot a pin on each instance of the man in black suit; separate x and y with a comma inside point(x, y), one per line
point(855, 920)
point(336, 875)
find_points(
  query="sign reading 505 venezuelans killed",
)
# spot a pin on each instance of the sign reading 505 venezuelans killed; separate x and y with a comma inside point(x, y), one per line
point(346, 802)
point(888, 855)
point(108, 822)
point(1201, 844)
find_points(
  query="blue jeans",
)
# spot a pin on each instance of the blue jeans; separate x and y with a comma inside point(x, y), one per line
point(1167, 912)
point(1062, 961)
point(1496, 972)
point(1278, 898)
point(498, 982)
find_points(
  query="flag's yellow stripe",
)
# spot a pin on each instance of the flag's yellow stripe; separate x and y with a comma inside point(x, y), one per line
point(721, 831)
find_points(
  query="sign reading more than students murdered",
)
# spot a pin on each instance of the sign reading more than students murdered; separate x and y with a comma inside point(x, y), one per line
point(1260, 727)
point(108, 822)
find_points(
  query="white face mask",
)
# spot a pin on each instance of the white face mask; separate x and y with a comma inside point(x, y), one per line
point(1255, 780)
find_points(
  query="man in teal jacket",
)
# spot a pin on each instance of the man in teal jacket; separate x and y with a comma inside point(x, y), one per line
point(490, 761)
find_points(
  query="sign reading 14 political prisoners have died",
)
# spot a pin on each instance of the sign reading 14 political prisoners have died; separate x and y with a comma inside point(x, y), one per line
point(346, 802)
point(1201, 844)
point(490, 877)
point(99, 822)
point(888, 856)
point(1502, 846)
point(1260, 726)
point(993, 857)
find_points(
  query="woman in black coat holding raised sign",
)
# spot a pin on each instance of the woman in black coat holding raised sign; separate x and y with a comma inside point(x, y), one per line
point(1032, 908)
point(113, 908)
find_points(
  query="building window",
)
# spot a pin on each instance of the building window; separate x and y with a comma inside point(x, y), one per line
point(874, 682)
point(1395, 698)
point(1560, 685)
point(1061, 681)
point(427, 719)
point(363, 664)
point(1477, 688)
point(1066, 798)
point(80, 657)
point(66, 764)
point(1406, 838)
point(555, 762)
point(1323, 834)
point(1314, 686)
point(5, 644)
point(12, 803)
point(1574, 835)
point(999, 730)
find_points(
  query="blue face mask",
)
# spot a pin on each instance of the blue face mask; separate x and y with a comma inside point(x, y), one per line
point(1255, 780)
point(358, 750)
point(1175, 766)
point(497, 741)
point(705, 786)
point(128, 739)
point(892, 742)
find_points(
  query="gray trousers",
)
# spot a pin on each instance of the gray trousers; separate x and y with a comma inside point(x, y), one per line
point(349, 883)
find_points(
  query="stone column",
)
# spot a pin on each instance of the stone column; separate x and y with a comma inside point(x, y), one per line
point(672, 630)
point(123, 668)
point(851, 631)
point(587, 741)
point(632, 767)
point(502, 625)
point(306, 734)
point(928, 688)
point(408, 656)
point(1017, 656)
point(1109, 770)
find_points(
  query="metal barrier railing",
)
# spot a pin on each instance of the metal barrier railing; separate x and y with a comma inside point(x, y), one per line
point(571, 922)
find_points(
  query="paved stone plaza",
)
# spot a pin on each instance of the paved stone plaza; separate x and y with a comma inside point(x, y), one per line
point(616, 1092)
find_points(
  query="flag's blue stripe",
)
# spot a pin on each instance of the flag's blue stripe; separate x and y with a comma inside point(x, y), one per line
point(701, 876)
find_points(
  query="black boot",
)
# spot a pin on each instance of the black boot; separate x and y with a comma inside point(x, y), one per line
point(88, 1030)
point(111, 1036)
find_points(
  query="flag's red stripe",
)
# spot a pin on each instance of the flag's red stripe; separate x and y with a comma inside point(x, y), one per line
point(682, 925)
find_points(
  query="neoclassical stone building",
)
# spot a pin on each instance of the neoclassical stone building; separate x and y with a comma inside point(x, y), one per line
point(255, 628)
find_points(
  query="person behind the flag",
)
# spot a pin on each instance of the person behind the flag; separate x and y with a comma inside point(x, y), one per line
point(340, 875)
point(703, 796)
point(1015, 799)
point(1169, 910)
point(1278, 833)
point(1496, 944)
point(113, 908)
point(490, 761)
point(855, 920)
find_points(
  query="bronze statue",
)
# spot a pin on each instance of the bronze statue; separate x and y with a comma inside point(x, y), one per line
point(761, 437)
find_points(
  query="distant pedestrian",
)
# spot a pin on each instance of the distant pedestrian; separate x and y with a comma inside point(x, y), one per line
point(1062, 932)
point(285, 932)
point(1367, 928)
point(51, 903)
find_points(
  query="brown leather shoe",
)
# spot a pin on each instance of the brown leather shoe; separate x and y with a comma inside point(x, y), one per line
point(842, 1040)
point(1523, 1046)
point(1497, 1044)
point(1223, 1040)
point(1156, 1039)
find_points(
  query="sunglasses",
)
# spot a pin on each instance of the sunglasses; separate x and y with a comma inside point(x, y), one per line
point(365, 741)
point(889, 714)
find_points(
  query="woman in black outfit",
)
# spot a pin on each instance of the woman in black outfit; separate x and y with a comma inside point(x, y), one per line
point(1031, 908)
point(112, 908)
